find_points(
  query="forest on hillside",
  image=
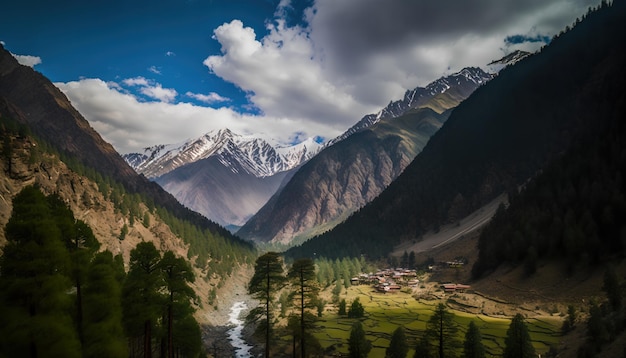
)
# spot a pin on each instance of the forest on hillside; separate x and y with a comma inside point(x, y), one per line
point(60, 297)
point(506, 132)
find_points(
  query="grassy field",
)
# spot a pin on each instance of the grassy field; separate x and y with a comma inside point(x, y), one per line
point(385, 312)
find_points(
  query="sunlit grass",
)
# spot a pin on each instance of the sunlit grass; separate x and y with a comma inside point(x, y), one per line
point(386, 312)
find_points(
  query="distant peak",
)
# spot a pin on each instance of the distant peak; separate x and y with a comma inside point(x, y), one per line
point(511, 58)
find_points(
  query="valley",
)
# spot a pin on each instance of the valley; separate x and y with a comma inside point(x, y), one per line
point(496, 199)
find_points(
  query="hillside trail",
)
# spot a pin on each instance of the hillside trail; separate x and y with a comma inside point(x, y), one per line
point(451, 232)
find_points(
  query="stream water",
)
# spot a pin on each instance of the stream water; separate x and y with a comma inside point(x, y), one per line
point(242, 349)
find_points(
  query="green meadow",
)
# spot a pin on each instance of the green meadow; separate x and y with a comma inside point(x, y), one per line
point(385, 312)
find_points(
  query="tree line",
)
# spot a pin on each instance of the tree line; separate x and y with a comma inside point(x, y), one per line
point(61, 297)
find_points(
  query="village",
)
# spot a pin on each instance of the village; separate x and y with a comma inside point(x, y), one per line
point(392, 280)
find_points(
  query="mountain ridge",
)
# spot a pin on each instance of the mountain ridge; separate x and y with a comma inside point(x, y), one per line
point(353, 170)
point(480, 154)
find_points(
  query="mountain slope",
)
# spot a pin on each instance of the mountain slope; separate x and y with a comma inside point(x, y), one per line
point(35, 101)
point(222, 175)
point(47, 143)
point(360, 164)
point(218, 192)
point(503, 134)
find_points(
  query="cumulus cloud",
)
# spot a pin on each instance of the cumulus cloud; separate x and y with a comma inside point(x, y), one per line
point(27, 60)
point(170, 53)
point(207, 98)
point(152, 89)
point(130, 124)
point(282, 74)
point(353, 56)
point(319, 76)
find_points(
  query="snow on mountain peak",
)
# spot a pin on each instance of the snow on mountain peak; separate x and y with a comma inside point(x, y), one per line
point(238, 152)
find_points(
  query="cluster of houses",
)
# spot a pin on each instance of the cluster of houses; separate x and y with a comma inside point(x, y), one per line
point(393, 280)
point(388, 280)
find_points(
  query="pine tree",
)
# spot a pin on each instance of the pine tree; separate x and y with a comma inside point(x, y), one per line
point(305, 294)
point(441, 331)
point(35, 307)
point(104, 334)
point(517, 341)
point(473, 346)
point(268, 279)
point(398, 348)
point(356, 309)
point(358, 345)
point(177, 275)
point(142, 299)
point(81, 244)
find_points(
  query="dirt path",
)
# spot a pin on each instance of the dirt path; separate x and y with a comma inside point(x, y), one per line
point(451, 232)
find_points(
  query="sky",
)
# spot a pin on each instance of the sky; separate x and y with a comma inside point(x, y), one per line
point(164, 71)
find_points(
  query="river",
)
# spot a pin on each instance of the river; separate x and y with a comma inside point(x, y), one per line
point(242, 349)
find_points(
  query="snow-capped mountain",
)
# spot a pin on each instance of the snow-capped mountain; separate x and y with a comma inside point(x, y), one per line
point(465, 80)
point(253, 155)
point(509, 59)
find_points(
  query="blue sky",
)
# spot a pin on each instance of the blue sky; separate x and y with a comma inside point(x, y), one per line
point(160, 72)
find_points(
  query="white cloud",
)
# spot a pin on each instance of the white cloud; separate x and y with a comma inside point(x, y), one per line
point(27, 60)
point(130, 124)
point(207, 98)
point(282, 74)
point(353, 56)
point(347, 59)
point(152, 89)
point(154, 70)
point(136, 81)
point(170, 53)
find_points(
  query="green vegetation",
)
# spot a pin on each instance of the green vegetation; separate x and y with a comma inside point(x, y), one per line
point(473, 346)
point(384, 313)
point(268, 279)
point(398, 347)
point(306, 296)
point(517, 342)
point(358, 345)
point(59, 298)
point(491, 145)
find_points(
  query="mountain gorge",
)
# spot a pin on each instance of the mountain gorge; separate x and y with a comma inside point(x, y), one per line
point(503, 135)
point(354, 168)
point(49, 145)
point(224, 176)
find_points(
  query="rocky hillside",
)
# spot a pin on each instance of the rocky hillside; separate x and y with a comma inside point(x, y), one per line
point(47, 143)
point(36, 102)
point(359, 165)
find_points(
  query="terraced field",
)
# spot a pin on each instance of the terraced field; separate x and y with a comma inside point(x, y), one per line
point(385, 312)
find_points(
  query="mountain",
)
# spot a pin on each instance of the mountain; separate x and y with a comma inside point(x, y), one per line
point(33, 100)
point(358, 165)
point(251, 155)
point(224, 176)
point(504, 134)
point(511, 58)
point(462, 84)
point(47, 144)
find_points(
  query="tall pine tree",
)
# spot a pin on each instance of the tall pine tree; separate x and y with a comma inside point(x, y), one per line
point(517, 341)
point(141, 297)
point(473, 345)
point(103, 331)
point(268, 279)
point(305, 294)
point(33, 286)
